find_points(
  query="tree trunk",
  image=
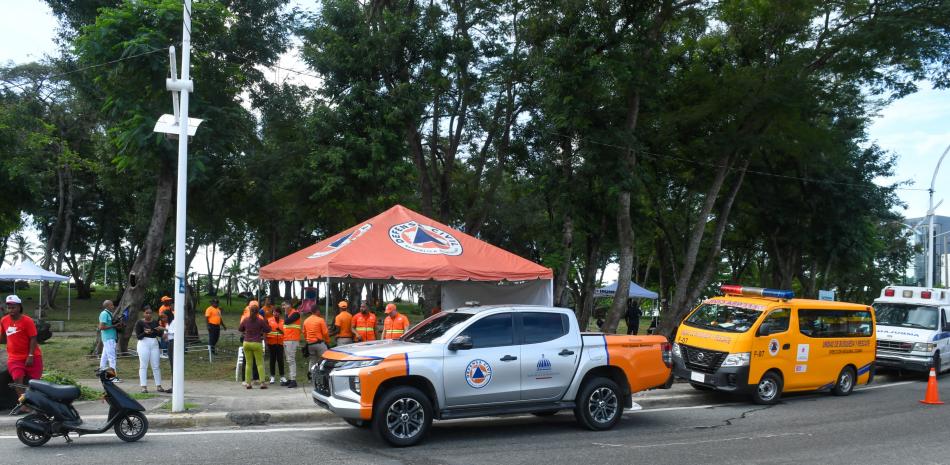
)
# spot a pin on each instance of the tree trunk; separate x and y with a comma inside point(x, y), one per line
point(140, 274)
point(191, 306)
point(624, 223)
point(567, 247)
point(590, 281)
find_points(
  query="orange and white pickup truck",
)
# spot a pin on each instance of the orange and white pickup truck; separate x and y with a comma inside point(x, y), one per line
point(492, 360)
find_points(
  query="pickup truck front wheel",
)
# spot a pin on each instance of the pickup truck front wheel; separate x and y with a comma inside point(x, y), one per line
point(403, 416)
point(598, 405)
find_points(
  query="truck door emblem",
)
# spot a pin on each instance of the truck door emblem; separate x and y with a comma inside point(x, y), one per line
point(773, 347)
point(478, 373)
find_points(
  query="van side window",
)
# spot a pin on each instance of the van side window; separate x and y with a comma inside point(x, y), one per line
point(835, 323)
point(946, 319)
point(776, 322)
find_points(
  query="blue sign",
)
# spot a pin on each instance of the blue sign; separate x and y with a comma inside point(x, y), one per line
point(826, 295)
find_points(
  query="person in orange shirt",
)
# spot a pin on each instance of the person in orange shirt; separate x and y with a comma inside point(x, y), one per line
point(291, 341)
point(167, 308)
point(215, 325)
point(395, 324)
point(344, 325)
point(437, 309)
point(275, 346)
point(316, 333)
point(364, 324)
point(268, 307)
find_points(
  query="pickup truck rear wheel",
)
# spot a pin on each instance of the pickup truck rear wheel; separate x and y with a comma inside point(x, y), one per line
point(403, 416)
point(598, 404)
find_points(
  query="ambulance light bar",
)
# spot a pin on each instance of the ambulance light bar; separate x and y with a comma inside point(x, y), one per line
point(756, 291)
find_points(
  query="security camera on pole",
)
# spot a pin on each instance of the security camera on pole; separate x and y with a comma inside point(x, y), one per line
point(172, 127)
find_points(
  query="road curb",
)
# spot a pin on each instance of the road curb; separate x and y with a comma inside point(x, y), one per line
point(207, 419)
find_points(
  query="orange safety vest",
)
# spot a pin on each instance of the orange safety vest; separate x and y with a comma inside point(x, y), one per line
point(394, 328)
point(292, 330)
point(344, 321)
point(276, 334)
point(365, 326)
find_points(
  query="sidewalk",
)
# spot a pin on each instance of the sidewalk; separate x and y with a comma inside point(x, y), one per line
point(223, 404)
point(209, 403)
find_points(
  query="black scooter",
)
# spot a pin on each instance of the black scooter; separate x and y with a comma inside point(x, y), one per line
point(54, 414)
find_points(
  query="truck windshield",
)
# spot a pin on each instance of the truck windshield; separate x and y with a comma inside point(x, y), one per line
point(906, 315)
point(435, 327)
point(724, 318)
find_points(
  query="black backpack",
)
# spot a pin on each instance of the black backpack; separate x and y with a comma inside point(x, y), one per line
point(43, 331)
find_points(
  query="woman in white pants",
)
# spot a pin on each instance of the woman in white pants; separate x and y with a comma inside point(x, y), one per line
point(148, 331)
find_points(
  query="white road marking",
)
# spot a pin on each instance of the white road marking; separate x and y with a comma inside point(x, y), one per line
point(879, 386)
point(226, 431)
point(705, 441)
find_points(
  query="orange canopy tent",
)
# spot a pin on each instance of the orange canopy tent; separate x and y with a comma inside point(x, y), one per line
point(402, 245)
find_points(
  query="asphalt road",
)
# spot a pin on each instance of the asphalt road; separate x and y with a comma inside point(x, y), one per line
point(884, 424)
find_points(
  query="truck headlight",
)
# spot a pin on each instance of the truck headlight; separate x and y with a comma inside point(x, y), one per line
point(676, 350)
point(924, 347)
point(358, 364)
point(737, 360)
point(355, 384)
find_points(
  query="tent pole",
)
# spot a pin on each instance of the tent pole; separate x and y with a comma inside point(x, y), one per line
point(69, 302)
point(40, 308)
point(326, 299)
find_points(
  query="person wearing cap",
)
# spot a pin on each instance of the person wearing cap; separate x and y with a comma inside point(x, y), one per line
point(364, 324)
point(109, 336)
point(344, 324)
point(24, 357)
point(215, 325)
point(316, 333)
point(167, 309)
point(395, 324)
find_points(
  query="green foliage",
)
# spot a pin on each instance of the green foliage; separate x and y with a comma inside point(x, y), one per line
point(57, 377)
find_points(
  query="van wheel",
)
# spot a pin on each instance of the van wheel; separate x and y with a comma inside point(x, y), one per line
point(598, 405)
point(845, 383)
point(769, 389)
point(937, 363)
point(403, 416)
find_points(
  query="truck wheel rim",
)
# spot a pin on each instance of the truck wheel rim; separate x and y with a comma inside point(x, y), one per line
point(767, 389)
point(405, 418)
point(845, 381)
point(603, 405)
point(130, 426)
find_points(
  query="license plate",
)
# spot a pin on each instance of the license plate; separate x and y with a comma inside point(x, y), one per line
point(698, 377)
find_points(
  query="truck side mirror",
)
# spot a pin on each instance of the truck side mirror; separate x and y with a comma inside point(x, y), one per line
point(764, 330)
point(462, 342)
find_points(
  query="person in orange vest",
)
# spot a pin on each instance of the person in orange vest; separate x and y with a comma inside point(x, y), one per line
point(437, 309)
point(291, 341)
point(364, 324)
point(275, 346)
point(395, 324)
point(268, 307)
point(344, 325)
point(316, 333)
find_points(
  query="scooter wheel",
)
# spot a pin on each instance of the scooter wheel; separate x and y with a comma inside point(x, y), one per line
point(32, 438)
point(131, 427)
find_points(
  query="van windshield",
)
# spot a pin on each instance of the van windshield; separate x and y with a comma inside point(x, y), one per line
point(906, 315)
point(724, 318)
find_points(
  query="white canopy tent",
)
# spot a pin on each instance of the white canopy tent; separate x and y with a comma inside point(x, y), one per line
point(29, 271)
point(635, 291)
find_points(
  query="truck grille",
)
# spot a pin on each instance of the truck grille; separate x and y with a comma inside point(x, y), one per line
point(321, 376)
point(895, 346)
point(702, 360)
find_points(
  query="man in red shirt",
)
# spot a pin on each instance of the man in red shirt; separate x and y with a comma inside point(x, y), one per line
point(24, 358)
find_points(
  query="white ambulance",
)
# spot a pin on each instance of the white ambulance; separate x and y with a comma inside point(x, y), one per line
point(913, 328)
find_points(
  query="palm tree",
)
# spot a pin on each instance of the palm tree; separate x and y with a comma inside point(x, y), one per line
point(22, 248)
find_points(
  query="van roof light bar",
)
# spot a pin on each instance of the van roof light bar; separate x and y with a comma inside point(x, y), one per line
point(733, 289)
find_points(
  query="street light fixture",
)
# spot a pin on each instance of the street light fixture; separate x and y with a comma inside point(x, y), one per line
point(930, 216)
point(172, 127)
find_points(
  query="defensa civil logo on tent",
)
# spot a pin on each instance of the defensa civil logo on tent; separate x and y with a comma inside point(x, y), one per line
point(425, 239)
point(343, 241)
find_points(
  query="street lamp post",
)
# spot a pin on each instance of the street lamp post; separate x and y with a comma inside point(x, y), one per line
point(181, 127)
point(930, 228)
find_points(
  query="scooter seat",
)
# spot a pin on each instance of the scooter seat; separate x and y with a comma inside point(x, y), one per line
point(56, 391)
